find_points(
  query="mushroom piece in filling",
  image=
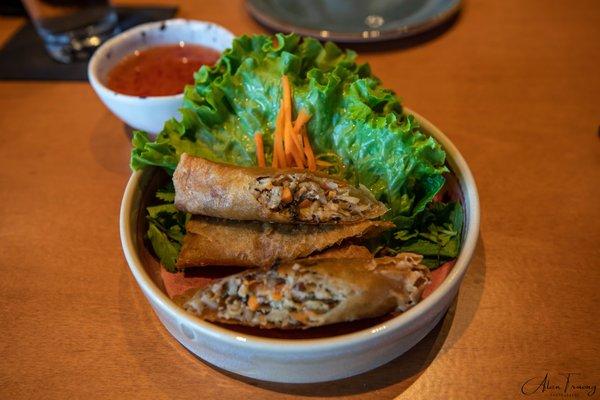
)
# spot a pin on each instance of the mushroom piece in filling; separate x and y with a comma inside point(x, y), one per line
point(310, 198)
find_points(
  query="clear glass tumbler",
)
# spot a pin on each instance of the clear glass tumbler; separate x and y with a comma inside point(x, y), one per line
point(72, 29)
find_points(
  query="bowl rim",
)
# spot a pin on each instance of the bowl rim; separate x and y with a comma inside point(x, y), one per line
point(405, 320)
point(407, 30)
point(98, 56)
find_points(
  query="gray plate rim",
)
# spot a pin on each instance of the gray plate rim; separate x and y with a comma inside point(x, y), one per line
point(355, 37)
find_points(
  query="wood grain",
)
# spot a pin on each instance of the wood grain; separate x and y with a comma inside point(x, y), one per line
point(515, 85)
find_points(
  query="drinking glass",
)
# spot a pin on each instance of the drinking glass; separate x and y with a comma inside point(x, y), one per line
point(72, 29)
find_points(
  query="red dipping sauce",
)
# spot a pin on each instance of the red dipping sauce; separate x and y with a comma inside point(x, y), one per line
point(159, 70)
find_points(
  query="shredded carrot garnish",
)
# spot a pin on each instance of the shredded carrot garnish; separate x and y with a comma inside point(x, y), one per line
point(302, 141)
point(286, 110)
point(279, 160)
point(293, 151)
point(302, 118)
point(280, 145)
point(291, 146)
point(260, 149)
point(287, 145)
point(310, 156)
point(298, 134)
point(296, 146)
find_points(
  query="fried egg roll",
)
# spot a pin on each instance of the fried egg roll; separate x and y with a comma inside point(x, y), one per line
point(347, 251)
point(271, 195)
point(212, 241)
point(310, 293)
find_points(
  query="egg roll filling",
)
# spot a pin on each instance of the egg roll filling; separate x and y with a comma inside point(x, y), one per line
point(310, 198)
point(309, 293)
point(296, 298)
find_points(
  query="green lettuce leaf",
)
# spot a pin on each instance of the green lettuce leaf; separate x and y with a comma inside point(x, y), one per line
point(166, 250)
point(166, 227)
point(355, 121)
point(436, 233)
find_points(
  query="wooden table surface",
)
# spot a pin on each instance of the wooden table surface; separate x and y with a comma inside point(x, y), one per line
point(515, 85)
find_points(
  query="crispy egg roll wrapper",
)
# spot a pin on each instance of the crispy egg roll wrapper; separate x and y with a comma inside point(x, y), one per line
point(272, 195)
point(347, 251)
point(310, 293)
point(212, 241)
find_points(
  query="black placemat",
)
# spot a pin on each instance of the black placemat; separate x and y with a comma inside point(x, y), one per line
point(24, 57)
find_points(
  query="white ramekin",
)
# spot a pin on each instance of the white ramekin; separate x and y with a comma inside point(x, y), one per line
point(305, 360)
point(150, 113)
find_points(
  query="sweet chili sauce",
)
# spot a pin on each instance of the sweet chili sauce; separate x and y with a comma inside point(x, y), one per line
point(160, 70)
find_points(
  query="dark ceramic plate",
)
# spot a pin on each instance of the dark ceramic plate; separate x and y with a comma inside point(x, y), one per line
point(353, 21)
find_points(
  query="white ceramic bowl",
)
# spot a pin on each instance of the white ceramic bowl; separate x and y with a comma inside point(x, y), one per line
point(305, 360)
point(150, 113)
